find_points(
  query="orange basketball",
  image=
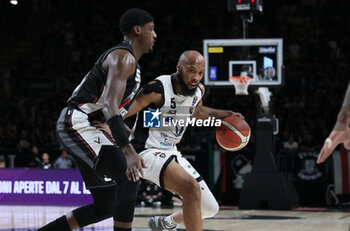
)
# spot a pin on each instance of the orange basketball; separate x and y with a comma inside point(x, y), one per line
point(233, 134)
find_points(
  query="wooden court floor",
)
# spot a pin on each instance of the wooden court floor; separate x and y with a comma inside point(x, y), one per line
point(20, 218)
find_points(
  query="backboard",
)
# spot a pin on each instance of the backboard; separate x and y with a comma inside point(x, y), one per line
point(261, 59)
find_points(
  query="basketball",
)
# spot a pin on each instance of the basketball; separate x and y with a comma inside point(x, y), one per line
point(233, 134)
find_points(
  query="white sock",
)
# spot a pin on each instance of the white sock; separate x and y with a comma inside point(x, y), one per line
point(169, 221)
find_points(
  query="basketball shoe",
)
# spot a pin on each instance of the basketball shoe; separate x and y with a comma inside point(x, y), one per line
point(157, 223)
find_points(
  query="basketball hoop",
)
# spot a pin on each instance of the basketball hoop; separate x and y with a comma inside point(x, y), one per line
point(241, 84)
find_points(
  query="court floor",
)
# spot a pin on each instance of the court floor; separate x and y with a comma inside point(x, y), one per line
point(20, 218)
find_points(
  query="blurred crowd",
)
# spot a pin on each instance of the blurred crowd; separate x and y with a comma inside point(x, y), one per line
point(63, 39)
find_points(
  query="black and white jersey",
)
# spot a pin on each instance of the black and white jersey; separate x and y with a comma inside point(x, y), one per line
point(176, 108)
point(89, 94)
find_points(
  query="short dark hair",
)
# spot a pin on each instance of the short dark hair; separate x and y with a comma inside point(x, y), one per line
point(134, 17)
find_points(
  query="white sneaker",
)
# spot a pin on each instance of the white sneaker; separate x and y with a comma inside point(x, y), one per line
point(157, 223)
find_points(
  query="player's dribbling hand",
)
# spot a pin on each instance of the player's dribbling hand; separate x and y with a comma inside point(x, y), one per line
point(134, 163)
point(340, 134)
point(237, 114)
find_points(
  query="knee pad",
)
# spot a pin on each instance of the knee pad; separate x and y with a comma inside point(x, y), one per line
point(124, 203)
point(111, 163)
point(125, 211)
point(209, 205)
point(89, 214)
point(101, 208)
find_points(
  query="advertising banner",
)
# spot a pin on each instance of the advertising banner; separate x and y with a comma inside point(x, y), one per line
point(42, 187)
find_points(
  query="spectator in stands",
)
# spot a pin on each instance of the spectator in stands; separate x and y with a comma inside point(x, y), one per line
point(64, 161)
point(45, 163)
point(33, 157)
point(308, 143)
point(23, 147)
point(151, 194)
point(2, 136)
point(290, 146)
point(23, 144)
point(2, 162)
point(11, 135)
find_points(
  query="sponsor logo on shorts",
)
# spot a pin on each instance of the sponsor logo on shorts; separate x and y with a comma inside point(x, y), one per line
point(107, 179)
point(97, 140)
point(160, 154)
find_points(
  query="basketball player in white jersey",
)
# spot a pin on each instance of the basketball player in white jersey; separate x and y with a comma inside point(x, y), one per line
point(177, 96)
point(341, 131)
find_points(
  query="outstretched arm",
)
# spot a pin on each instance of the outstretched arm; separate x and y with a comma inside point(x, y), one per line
point(340, 132)
point(204, 112)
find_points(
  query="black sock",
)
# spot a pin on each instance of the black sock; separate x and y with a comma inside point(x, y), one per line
point(60, 224)
point(121, 229)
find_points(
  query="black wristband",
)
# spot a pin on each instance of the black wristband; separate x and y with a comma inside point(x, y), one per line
point(116, 124)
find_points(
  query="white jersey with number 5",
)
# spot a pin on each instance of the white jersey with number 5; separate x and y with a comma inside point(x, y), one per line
point(175, 114)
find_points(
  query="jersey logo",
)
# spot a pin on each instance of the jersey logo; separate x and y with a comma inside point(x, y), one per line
point(179, 130)
point(160, 154)
point(123, 111)
point(195, 98)
point(138, 76)
point(172, 112)
point(97, 140)
point(151, 118)
point(106, 178)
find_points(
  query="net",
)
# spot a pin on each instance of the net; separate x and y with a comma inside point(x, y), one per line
point(241, 84)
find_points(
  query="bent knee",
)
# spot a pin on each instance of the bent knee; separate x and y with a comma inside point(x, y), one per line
point(209, 209)
point(190, 189)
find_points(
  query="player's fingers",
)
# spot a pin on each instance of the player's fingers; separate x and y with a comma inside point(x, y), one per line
point(238, 114)
point(95, 122)
point(347, 145)
point(135, 174)
point(128, 174)
point(326, 150)
point(320, 158)
point(132, 175)
point(98, 126)
point(323, 154)
point(140, 170)
point(143, 165)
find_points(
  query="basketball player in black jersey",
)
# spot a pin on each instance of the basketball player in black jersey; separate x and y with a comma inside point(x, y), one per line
point(109, 166)
point(165, 165)
point(341, 131)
